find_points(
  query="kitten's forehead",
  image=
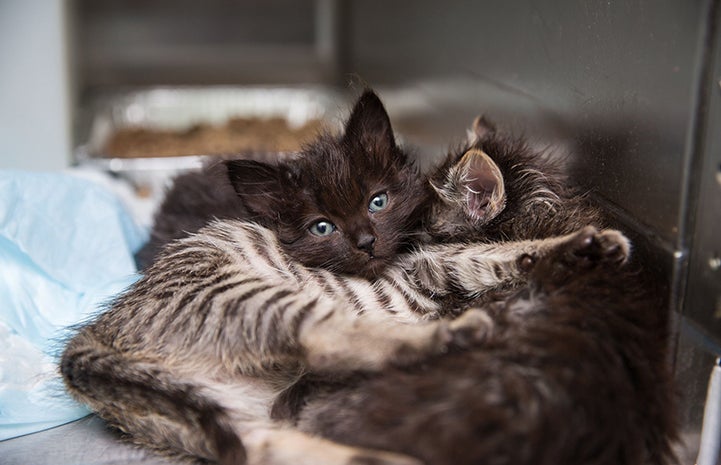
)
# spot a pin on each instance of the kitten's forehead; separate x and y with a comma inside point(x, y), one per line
point(347, 190)
point(345, 175)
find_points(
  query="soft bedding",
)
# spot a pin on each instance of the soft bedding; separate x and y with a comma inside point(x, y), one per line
point(66, 247)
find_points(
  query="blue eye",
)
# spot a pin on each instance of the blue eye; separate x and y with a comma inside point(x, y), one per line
point(322, 228)
point(378, 203)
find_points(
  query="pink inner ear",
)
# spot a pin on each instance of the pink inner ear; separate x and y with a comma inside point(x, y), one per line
point(484, 184)
point(480, 192)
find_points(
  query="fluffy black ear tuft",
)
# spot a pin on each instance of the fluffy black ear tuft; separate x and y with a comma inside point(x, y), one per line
point(369, 124)
point(259, 186)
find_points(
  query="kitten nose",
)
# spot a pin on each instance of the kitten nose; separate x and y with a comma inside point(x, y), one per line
point(365, 242)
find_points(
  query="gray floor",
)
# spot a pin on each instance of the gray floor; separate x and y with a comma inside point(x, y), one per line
point(83, 442)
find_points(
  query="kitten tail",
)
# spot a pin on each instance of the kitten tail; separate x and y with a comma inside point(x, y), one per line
point(156, 409)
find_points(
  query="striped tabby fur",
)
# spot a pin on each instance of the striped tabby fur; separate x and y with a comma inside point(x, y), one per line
point(198, 349)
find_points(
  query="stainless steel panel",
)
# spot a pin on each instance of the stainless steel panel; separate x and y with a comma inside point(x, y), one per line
point(703, 302)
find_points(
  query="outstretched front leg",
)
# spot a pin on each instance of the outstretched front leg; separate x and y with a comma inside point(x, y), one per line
point(472, 270)
point(336, 342)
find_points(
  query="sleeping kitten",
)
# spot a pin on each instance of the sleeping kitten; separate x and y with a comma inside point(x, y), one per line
point(347, 204)
point(574, 371)
point(522, 194)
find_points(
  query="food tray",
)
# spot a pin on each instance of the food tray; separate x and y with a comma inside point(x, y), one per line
point(181, 108)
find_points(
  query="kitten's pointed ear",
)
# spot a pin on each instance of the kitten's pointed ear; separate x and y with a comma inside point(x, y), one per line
point(480, 129)
point(479, 181)
point(369, 123)
point(259, 185)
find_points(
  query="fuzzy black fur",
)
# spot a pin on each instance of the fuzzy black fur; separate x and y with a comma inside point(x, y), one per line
point(573, 374)
point(193, 200)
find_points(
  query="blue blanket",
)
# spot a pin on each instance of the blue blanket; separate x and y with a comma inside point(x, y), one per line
point(66, 247)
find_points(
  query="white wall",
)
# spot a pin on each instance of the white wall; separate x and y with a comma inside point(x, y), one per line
point(35, 98)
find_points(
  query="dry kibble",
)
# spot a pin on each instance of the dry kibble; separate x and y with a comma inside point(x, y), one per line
point(236, 136)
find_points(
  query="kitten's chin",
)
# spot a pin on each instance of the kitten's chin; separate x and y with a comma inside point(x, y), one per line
point(372, 268)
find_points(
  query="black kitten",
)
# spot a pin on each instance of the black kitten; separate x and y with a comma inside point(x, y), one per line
point(348, 203)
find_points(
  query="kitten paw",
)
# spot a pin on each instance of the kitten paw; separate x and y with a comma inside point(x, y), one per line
point(583, 251)
point(472, 327)
point(590, 247)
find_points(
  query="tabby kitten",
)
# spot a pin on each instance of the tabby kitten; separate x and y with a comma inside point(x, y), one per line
point(348, 204)
point(192, 357)
point(574, 371)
